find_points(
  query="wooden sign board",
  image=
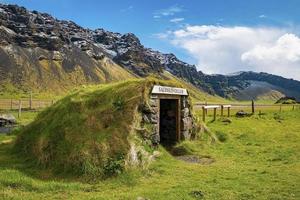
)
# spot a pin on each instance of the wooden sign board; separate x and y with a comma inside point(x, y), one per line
point(157, 89)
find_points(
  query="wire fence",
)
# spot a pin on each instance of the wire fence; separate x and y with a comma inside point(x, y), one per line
point(24, 104)
point(23, 110)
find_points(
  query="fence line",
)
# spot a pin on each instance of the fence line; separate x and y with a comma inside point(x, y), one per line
point(236, 106)
point(251, 108)
point(199, 105)
point(29, 104)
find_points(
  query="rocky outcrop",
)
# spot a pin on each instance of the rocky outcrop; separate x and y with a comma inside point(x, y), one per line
point(41, 53)
point(75, 49)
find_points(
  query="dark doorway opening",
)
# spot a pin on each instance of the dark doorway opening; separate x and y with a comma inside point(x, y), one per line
point(168, 119)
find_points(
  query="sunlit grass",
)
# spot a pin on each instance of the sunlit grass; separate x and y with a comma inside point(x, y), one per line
point(258, 160)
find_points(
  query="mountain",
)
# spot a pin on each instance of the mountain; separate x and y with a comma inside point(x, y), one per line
point(252, 85)
point(39, 52)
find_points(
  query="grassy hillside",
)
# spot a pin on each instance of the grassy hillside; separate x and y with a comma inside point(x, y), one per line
point(258, 158)
point(47, 74)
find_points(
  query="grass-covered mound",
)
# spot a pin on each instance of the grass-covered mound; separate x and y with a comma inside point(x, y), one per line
point(93, 131)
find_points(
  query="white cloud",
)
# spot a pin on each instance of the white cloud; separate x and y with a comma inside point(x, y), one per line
point(219, 49)
point(168, 11)
point(280, 57)
point(176, 20)
point(262, 16)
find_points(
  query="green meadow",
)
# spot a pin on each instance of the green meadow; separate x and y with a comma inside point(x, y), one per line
point(254, 157)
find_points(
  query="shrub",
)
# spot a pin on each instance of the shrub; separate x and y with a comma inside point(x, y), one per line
point(222, 137)
point(278, 117)
point(119, 103)
point(114, 166)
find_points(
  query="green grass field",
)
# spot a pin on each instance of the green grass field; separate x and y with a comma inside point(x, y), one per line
point(258, 158)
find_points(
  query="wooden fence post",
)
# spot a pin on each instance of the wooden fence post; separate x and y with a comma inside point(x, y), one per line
point(280, 108)
point(20, 108)
point(253, 107)
point(215, 113)
point(203, 114)
point(228, 112)
point(30, 101)
point(222, 109)
point(293, 107)
point(11, 104)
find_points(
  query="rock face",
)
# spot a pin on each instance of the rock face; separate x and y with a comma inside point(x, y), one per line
point(61, 54)
point(41, 53)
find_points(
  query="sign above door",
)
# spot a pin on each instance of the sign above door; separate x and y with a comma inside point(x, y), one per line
point(157, 89)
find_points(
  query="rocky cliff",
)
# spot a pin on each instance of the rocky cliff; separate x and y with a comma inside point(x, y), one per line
point(40, 52)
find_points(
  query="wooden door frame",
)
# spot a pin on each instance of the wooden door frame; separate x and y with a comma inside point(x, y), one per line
point(178, 113)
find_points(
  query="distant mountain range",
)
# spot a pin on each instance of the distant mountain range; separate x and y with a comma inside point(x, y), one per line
point(41, 53)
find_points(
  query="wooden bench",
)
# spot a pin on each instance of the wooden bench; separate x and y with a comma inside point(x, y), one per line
point(215, 107)
point(228, 110)
point(205, 108)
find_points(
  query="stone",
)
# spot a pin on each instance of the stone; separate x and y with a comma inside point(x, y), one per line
point(153, 102)
point(185, 112)
point(242, 113)
point(185, 135)
point(155, 138)
point(154, 119)
point(145, 118)
point(187, 123)
point(154, 110)
point(7, 119)
point(183, 102)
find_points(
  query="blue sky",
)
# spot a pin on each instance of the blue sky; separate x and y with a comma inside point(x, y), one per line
point(158, 24)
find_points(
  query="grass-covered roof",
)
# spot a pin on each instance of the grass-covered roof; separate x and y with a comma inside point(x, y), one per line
point(86, 130)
